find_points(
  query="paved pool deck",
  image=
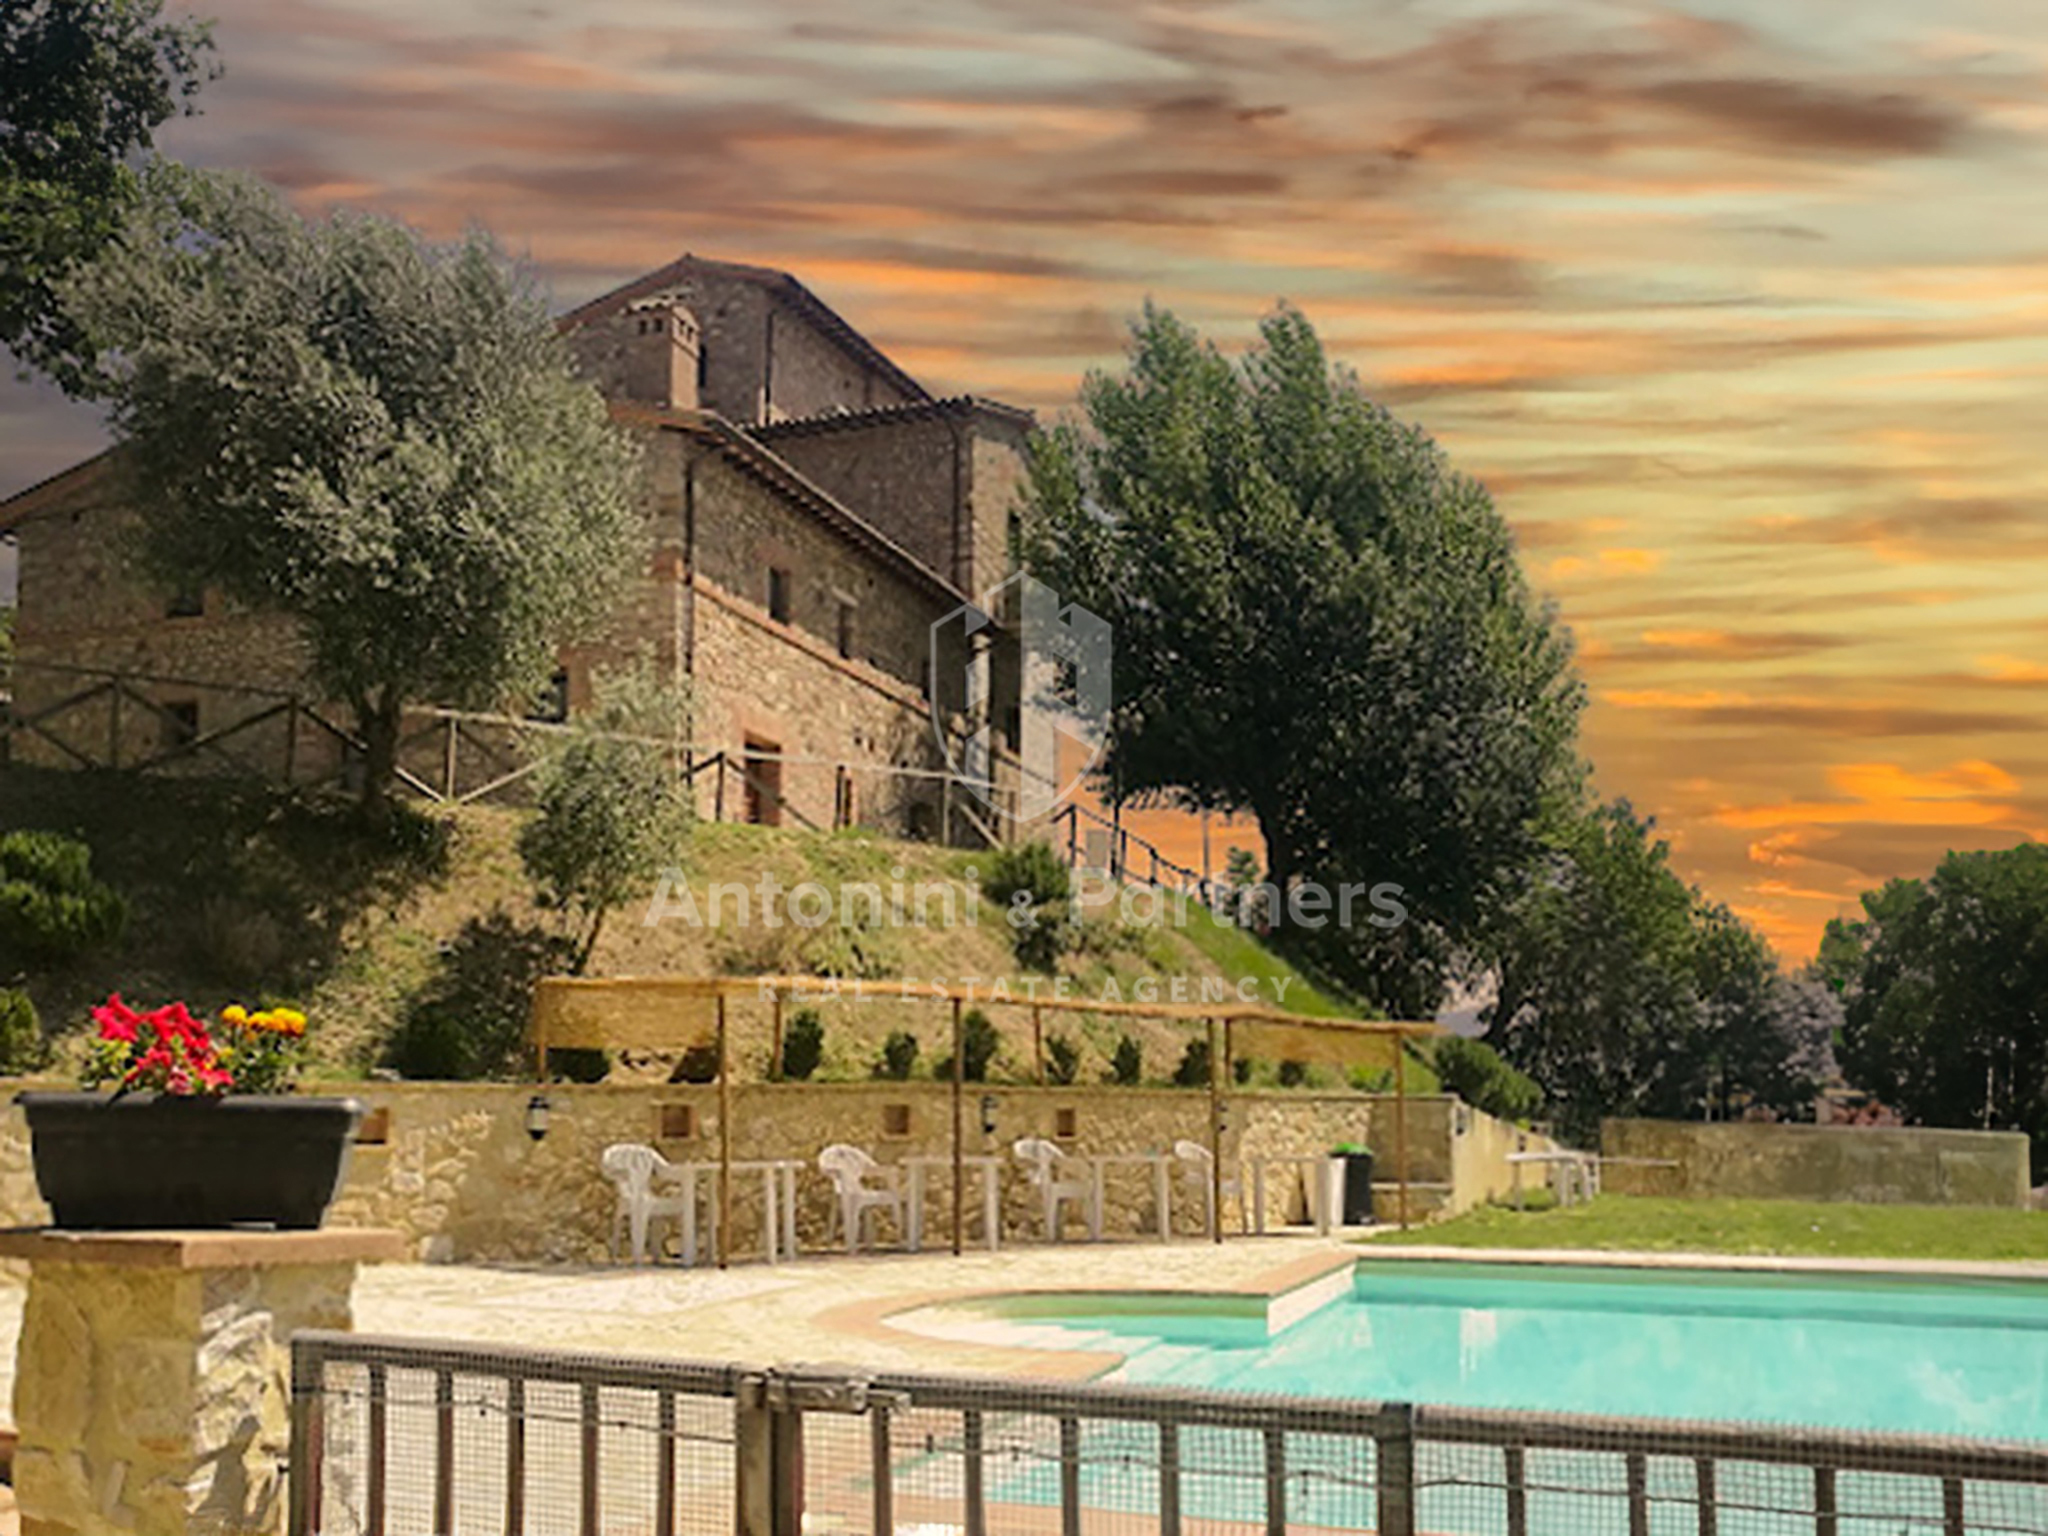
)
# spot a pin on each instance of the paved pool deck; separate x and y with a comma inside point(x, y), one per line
point(821, 1309)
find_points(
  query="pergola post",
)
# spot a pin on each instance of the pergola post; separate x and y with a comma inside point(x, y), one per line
point(1401, 1125)
point(959, 1111)
point(1215, 1139)
point(724, 1140)
point(775, 1039)
point(1037, 1046)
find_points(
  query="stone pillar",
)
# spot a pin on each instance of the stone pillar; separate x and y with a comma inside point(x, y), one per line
point(152, 1384)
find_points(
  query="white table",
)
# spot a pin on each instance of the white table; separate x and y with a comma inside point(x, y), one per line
point(778, 1202)
point(991, 1198)
point(1567, 1171)
point(1315, 1169)
point(1161, 1164)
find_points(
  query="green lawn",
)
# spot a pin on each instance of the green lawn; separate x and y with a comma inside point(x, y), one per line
point(1626, 1222)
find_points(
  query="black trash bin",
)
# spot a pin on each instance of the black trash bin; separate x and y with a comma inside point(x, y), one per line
point(1357, 1202)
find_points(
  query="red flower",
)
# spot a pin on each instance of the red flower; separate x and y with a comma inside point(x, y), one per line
point(117, 1021)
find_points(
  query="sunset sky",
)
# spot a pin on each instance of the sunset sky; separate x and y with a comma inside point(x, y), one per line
point(1741, 310)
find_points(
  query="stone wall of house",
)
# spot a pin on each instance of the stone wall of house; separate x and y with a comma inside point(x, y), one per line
point(743, 530)
point(457, 1172)
point(85, 608)
point(907, 475)
point(942, 481)
point(997, 473)
point(809, 373)
point(785, 686)
point(759, 686)
point(1871, 1165)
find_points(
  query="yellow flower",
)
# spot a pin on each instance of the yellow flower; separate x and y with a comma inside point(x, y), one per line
point(234, 1013)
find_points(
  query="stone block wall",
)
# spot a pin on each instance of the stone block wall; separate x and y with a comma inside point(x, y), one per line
point(743, 528)
point(810, 373)
point(942, 480)
point(906, 474)
point(1871, 1165)
point(458, 1174)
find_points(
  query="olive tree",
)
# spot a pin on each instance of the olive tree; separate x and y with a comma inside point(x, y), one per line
point(378, 436)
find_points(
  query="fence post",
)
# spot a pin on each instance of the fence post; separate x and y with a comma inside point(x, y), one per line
point(1394, 1459)
point(309, 1432)
point(753, 1460)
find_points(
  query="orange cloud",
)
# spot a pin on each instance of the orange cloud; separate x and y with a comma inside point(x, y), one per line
point(1780, 849)
point(1669, 698)
point(1887, 794)
point(1608, 562)
point(2012, 669)
point(1690, 639)
point(1791, 892)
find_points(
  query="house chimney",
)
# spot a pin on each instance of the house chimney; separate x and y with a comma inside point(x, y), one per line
point(661, 344)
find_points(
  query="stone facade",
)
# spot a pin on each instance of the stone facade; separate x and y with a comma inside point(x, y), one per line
point(1871, 1165)
point(814, 515)
point(458, 1174)
point(941, 477)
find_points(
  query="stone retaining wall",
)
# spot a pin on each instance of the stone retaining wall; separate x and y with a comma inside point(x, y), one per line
point(1872, 1165)
point(458, 1174)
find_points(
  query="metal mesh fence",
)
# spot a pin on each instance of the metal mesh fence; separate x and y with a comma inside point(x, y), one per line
point(444, 1440)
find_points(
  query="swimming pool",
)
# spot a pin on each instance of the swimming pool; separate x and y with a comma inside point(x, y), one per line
point(1920, 1355)
point(1917, 1356)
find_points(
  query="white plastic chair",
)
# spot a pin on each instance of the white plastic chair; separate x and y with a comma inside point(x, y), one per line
point(1042, 1160)
point(1194, 1171)
point(633, 1171)
point(849, 1168)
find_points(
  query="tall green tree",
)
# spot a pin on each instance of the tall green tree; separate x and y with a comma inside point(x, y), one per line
point(1317, 620)
point(377, 436)
point(1594, 958)
point(1623, 991)
point(1944, 981)
point(84, 85)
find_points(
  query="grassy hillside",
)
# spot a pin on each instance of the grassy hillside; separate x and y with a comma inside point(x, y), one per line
point(240, 893)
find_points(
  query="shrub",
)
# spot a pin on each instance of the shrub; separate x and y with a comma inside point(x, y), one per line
point(979, 1043)
point(899, 1056)
point(803, 1044)
point(697, 1064)
point(1030, 869)
point(21, 1033)
point(1062, 1060)
point(1293, 1073)
point(608, 812)
point(1039, 942)
point(469, 1021)
point(1127, 1066)
point(51, 907)
point(1241, 1069)
point(1034, 888)
point(1474, 1071)
point(1193, 1071)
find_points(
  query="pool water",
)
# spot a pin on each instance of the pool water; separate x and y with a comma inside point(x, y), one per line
point(1948, 1356)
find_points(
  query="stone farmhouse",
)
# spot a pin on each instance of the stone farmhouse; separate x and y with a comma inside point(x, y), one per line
point(815, 513)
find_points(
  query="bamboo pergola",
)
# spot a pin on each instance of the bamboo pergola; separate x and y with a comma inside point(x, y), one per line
point(556, 1025)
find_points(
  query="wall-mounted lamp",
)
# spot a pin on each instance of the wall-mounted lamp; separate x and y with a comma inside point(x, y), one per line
point(538, 1111)
point(988, 1114)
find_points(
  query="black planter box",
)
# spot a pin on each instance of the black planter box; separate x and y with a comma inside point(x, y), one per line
point(1357, 1203)
point(143, 1162)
